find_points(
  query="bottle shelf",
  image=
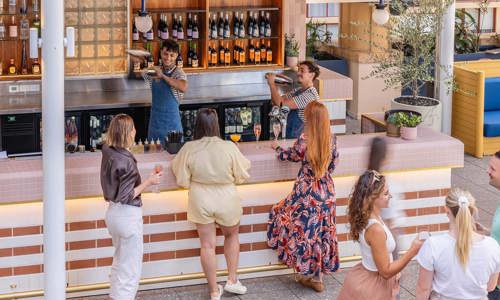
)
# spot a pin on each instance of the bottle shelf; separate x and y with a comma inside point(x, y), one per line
point(9, 39)
point(246, 66)
point(6, 13)
point(172, 10)
point(20, 77)
point(245, 38)
point(243, 8)
point(161, 41)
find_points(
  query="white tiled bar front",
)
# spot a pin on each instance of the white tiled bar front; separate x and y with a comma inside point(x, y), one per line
point(419, 172)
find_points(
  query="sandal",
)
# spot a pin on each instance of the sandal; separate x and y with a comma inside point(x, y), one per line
point(219, 295)
point(317, 286)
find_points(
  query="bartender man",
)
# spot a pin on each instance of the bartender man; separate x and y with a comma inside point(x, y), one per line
point(167, 88)
point(298, 98)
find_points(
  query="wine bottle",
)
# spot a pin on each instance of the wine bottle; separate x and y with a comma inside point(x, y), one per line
point(236, 25)
point(195, 62)
point(24, 60)
point(151, 61)
point(196, 33)
point(257, 54)
point(250, 24)
point(189, 56)
point(13, 28)
point(12, 6)
point(135, 33)
point(269, 53)
point(251, 53)
point(220, 26)
point(174, 26)
point(179, 61)
point(180, 29)
point(227, 55)
point(236, 53)
point(226, 122)
point(262, 24)
point(222, 53)
point(241, 31)
point(263, 52)
point(37, 24)
point(213, 27)
point(227, 30)
point(239, 122)
point(2, 29)
point(255, 31)
point(150, 35)
point(242, 59)
point(232, 123)
point(160, 26)
point(164, 32)
point(214, 56)
point(267, 32)
point(189, 26)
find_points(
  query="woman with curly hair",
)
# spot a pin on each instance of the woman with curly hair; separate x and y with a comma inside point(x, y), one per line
point(302, 226)
point(376, 277)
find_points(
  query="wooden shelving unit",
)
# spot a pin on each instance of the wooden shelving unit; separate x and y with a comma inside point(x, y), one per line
point(204, 9)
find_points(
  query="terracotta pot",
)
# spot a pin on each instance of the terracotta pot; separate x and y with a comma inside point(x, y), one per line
point(292, 61)
point(409, 133)
point(393, 130)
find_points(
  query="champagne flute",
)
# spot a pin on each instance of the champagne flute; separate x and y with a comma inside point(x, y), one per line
point(257, 129)
point(158, 168)
point(276, 129)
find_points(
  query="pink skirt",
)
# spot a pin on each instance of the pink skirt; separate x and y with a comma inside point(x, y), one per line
point(362, 284)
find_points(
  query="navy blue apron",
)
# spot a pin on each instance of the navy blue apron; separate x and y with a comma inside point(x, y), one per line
point(165, 116)
point(294, 124)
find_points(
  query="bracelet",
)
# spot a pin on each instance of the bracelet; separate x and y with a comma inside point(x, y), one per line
point(277, 147)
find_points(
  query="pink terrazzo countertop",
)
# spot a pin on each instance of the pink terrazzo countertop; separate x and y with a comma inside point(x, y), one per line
point(21, 178)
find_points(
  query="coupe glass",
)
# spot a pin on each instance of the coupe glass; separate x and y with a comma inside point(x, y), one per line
point(257, 129)
point(276, 129)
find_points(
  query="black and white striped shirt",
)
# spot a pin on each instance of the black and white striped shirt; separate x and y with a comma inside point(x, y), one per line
point(302, 98)
point(174, 72)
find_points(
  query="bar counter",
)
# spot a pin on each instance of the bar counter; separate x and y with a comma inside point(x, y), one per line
point(419, 173)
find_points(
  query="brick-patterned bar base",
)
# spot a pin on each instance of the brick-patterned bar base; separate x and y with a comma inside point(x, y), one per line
point(171, 243)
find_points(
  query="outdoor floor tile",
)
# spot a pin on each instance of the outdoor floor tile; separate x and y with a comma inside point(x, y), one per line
point(270, 295)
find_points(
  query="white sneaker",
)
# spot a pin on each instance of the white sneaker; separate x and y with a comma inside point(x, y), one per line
point(235, 288)
point(221, 291)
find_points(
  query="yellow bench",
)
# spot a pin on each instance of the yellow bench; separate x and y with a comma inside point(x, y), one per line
point(468, 106)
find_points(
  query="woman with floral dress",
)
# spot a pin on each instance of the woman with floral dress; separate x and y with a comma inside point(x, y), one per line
point(302, 226)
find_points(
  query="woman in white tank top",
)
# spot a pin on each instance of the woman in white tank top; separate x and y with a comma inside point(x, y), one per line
point(376, 277)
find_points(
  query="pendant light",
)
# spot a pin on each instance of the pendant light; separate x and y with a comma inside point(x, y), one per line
point(380, 15)
point(143, 20)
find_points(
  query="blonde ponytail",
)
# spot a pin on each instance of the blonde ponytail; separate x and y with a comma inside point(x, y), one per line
point(463, 207)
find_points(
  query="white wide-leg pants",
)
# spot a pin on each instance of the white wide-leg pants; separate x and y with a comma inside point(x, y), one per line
point(124, 223)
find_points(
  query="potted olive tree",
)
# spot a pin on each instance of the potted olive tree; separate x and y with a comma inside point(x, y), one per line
point(410, 61)
point(291, 50)
point(409, 123)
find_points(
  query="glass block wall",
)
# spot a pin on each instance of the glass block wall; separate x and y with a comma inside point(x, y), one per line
point(101, 36)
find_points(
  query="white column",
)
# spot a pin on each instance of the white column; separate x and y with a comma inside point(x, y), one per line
point(446, 49)
point(53, 149)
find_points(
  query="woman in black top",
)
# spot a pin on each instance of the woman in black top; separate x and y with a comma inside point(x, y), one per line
point(122, 188)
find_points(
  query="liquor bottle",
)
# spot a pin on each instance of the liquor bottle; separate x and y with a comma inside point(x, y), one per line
point(35, 6)
point(179, 61)
point(241, 30)
point(24, 60)
point(190, 56)
point(180, 29)
point(195, 63)
point(196, 32)
point(1, 68)
point(227, 120)
point(25, 28)
point(239, 123)
point(255, 31)
point(267, 32)
point(242, 54)
point(232, 121)
point(37, 24)
point(222, 53)
point(269, 53)
point(160, 26)
point(150, 35)
point(227, 55)
point(174, 26)
point(214, 56)
point(35, 67)
point(189, 30)
point(250, 24)
point(262, 24)
point(135, 33)
point(1, 7)
point(263, 52)
point(236, 25)
point(251, 53)
point(209, 56)
point(220, 26)
point(2, 29)
point(213, 28)
point(12, 67)
point(12, 6)
point(257, 54)
point(13, 28)
point(227, 30)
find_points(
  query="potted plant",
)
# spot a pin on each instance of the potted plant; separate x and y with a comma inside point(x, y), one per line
point(409, 123)
point(291, 50)
point(410, 61)
point(393, 123)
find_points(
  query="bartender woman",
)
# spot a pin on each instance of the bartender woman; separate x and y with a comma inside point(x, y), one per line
point(168, 88)
point(298, 98)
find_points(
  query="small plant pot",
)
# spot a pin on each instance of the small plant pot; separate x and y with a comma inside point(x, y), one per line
point(292, 61)
point(393, 130)
point(409, 133)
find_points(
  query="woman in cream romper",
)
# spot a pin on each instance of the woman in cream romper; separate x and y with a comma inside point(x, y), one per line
point(211, 167)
